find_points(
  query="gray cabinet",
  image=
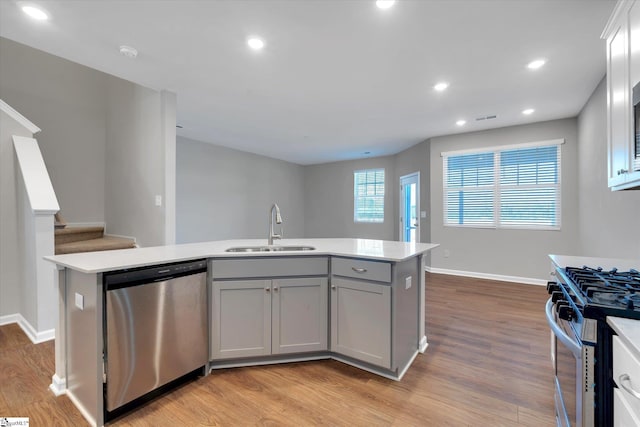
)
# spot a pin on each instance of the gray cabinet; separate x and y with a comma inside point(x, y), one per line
point(241, 319)
point(299, 315)
point(263, 317)
point(361, 320)
point(623, 73)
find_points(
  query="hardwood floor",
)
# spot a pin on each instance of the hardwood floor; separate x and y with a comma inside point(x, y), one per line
point(487, 365)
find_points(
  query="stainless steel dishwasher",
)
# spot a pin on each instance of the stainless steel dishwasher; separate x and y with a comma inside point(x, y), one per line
point(156, 329)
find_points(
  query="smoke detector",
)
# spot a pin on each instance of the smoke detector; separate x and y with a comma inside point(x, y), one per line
point(128, 51)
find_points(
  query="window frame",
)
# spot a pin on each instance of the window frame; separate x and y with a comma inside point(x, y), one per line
point(356, 199)
point(498, 187)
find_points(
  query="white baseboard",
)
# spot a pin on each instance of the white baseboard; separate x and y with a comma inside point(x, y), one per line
point(58, 385)
point(422, 346)
point(124, 237)
point(9, 319)
point(35, 336)
point(498, 277)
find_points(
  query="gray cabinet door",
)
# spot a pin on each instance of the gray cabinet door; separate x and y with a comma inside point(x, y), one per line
point(241, 319)
point(300, 315)
point(361, 320)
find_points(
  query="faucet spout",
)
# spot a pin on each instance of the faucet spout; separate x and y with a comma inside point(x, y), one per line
point(278, 219)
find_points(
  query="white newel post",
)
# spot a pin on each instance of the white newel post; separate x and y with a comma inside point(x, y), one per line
point(59, 379)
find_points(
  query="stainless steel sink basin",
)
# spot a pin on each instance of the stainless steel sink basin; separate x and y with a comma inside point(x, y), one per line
point(270, 248)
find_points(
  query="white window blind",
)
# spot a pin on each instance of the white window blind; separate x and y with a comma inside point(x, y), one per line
point(368, 189)
point(515, 186)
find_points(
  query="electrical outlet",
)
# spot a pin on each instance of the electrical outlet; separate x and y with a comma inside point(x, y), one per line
point(423, 214)
point(79, 301)
point(158, 200)
point(407, 282)
point(447, 253)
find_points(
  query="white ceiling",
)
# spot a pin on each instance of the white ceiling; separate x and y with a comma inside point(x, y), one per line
point(336, 78)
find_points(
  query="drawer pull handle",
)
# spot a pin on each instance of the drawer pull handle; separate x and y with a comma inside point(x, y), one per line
point(359, 270)
point(267, 289)
point(622, 379)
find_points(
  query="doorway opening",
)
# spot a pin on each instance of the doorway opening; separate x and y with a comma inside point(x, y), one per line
point(410, 208)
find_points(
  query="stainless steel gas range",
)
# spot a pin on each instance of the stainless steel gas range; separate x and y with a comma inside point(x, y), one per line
point(581, 299)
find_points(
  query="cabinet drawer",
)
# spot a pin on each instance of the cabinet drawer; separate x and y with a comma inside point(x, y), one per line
point(269, 267)
point(361, 269)
point(623, 414)
point(626, 362)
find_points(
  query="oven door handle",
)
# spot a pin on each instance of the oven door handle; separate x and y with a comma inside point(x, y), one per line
point(573, 345)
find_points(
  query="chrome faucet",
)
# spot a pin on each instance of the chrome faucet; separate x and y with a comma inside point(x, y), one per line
point(278, 221)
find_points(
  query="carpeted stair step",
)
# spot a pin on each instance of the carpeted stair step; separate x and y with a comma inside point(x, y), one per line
point(104, 243)
point(76, 234)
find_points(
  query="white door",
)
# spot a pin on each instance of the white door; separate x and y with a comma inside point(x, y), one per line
point(410, 208)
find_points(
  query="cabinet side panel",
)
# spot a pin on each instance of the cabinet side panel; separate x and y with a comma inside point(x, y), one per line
point(84, 343)
point(405, 314)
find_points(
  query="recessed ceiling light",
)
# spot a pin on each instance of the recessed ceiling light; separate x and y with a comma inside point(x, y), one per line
point(255, 43)
point(35, 13)
point(534, 65)
point(528, 111)
point(441, 86)
point(128, 51)
point(461, 122)
point(385, 4)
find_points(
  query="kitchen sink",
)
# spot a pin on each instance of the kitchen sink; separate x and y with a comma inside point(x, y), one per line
point(270, 248)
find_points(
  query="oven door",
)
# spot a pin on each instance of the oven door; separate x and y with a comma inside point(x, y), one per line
point(569, 357)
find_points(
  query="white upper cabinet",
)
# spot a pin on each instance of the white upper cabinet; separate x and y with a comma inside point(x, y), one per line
point(623, 73)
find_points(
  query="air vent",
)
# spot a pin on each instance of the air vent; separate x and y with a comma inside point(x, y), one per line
point(493, 116)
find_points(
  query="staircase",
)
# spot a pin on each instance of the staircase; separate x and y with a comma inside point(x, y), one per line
point(69, 240)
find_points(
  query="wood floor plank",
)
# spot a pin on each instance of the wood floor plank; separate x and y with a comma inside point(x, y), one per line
point(12, 336)
point(487, 364)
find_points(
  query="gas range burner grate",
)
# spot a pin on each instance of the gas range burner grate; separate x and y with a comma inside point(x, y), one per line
point(608, 287)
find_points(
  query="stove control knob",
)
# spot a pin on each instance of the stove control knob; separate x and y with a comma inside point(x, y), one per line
point(556, 295)
point(565, 312)
point(552, 287)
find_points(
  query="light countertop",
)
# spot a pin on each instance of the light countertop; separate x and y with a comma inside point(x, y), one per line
point(606, 263)
point(97, 262)
point(628, 330)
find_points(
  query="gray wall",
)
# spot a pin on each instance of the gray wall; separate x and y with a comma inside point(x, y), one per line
point(227, 194)
point(520, 253)
point(608, 219)
point(328, 202)
point(66, 101)
point(135, 162)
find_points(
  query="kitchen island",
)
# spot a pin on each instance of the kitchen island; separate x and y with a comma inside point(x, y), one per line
point(354, 300)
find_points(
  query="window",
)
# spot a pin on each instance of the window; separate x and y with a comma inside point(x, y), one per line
point(515, 186)
point(368, 195)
